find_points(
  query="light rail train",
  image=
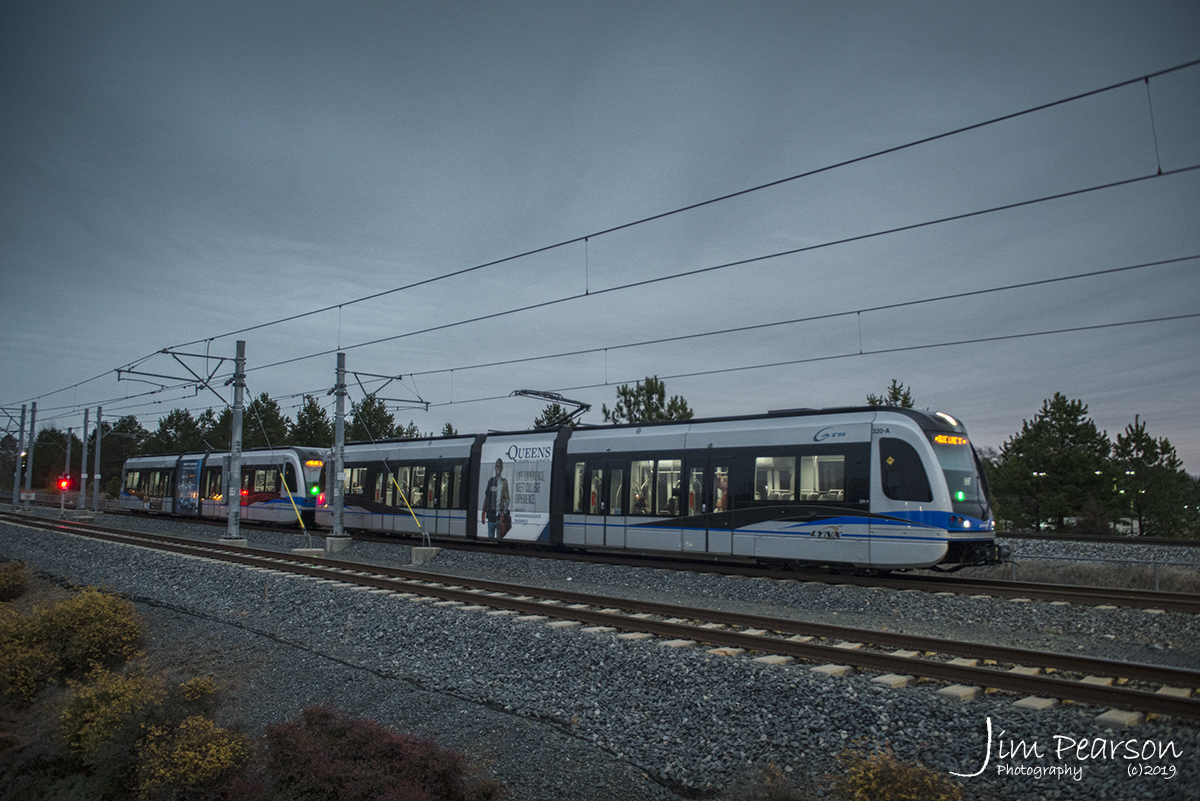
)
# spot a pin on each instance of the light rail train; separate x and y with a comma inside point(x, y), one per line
point(877, 488)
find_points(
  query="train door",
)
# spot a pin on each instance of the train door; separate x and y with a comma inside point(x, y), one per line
point(706, 511)
point(604, 504)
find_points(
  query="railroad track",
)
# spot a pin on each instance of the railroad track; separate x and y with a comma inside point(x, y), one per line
point(902, 659)
point(1087, 596)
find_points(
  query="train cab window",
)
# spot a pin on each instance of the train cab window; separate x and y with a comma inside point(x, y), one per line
point(823, 477)
point(668, 486)
point(289, 479)
point(903, 474)
point(775, 478)
point(131, 481)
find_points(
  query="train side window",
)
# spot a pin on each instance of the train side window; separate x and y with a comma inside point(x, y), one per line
point(775, 478)
point(457, 501)
point(444, 492)
point(213, 489)
point(903, 474)
point(669, 485)
point(417, 498)
point(695, 496)
point(616, 491)
point(721, 488)
point(289, 479)
point(358, 480)
point(402, 481)
point(578, 489)
point(641, 487)
point(823, 477)
point(596, 494)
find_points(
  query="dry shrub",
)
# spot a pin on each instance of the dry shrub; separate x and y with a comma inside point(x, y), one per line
point(326, 755)
point(65, 641)
point(192, 759)
point(89, 629)
point(882, 777)
point(95, 714)
point(14, 578)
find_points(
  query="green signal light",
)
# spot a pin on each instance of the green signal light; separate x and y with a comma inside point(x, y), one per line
point(960, 495)
point(316, 490)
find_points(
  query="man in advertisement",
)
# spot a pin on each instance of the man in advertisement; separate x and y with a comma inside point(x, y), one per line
point(497, 503)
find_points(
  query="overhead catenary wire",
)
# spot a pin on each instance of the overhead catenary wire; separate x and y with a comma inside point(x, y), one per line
point(852, 355)
point(585, 238)
point(737, 263)
point(693, 206)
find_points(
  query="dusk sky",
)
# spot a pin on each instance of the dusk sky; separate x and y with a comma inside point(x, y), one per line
point(172, 173)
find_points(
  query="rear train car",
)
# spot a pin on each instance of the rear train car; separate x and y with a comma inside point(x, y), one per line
point(277, 485)
point(874, 488)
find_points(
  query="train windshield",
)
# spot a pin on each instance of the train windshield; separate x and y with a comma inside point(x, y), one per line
point(964, 477)
point(313, 470)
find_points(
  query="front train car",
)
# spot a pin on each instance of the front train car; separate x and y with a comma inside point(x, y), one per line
point(931, 496)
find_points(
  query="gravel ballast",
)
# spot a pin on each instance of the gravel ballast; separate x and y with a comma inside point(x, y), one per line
point(562, 713)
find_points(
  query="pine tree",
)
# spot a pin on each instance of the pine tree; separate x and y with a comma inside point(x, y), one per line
point(370, 421)
point(646, 402)
point(897, 395)
point(1153, 485)
point(313, 427)
point(1057, 467)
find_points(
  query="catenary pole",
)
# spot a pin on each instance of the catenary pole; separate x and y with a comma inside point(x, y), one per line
point(96, 471)
point(233, 476)
point(81, 498)
point(16, 496)
point(29, 460)
point(339, 457)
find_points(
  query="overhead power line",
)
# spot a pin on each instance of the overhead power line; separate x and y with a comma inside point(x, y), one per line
point(729, 264)
point(691, 207)
point(851, 355)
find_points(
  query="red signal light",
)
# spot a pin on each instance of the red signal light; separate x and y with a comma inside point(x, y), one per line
point(64, 482)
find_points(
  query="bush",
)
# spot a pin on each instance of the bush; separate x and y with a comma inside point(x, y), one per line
point(95, 714)
point(191, 759)
point(90, 629)
point(882, 777)
point(325, 755)
point(25, 667)
point(13, 579)
point(65, 641)
point(135, 735)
